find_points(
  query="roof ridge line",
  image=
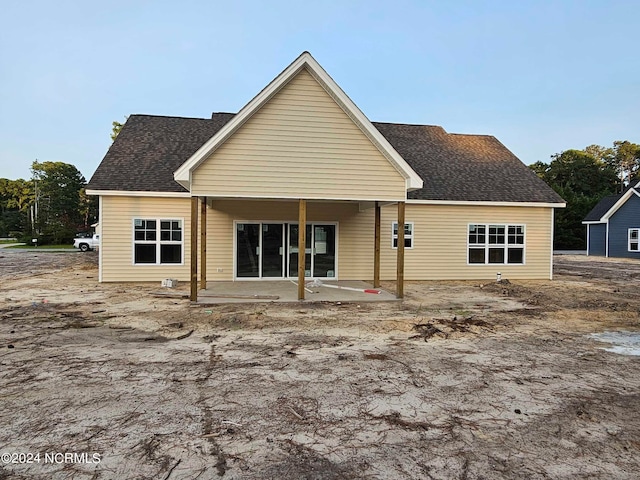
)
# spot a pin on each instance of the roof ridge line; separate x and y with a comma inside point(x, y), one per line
point(170, 116)
point(410, 124)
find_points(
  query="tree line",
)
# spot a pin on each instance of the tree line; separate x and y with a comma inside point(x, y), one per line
point(583, 178)
point(52, 206)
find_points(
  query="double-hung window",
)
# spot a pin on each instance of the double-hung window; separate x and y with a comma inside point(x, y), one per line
point(408, 235)
point(157, 241)
point(634, 239)
point(495, 244)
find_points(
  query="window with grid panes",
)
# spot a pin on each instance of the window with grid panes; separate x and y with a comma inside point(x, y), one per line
point(157, 241)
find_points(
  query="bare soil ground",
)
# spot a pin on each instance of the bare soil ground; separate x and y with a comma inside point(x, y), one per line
point(459, 381)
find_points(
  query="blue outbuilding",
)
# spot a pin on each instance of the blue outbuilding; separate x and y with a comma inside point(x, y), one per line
point(613, 226)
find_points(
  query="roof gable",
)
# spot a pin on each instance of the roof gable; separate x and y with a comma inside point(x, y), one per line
point(300, 144)
point(609, 205)
point(305, 61)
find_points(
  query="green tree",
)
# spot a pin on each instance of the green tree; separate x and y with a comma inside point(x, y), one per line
point(582, 180)
point(626, 161)
point(602, 154)
point(116, 127)
point(581, 173)
point(540, 168)
point(16, 198)
point(88, 209)
point(57, 188)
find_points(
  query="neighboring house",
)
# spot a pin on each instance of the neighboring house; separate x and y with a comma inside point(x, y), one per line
point(235, 188)
point(613, 226)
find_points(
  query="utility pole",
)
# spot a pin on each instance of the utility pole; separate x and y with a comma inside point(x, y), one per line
point(35, 215)
point(35, 181)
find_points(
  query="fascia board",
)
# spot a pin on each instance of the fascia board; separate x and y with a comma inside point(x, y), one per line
point(619, 203)
point(487, 203)
point(297, 197)
point(125, 193)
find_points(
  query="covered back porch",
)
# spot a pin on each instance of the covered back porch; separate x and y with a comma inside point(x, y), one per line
point(297, 252)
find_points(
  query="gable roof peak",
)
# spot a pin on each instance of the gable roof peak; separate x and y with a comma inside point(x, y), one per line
point(413, 181)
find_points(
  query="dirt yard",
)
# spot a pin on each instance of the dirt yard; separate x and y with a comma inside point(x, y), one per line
point(459, 381)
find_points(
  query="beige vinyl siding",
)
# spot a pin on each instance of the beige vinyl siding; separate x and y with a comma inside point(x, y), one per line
point(117, 237)
point(440, 238)
point(300, 144)
point(223, 213)
point(440, 242)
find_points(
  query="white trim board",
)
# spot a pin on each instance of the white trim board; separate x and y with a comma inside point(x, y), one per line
point(125, 193)
point(413, 181)
point(487, 203)
point(616, 206)
point(305, 197)
point(384, 202)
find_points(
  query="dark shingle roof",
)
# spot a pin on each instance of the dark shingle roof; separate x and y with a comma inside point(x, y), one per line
point(454, 167)
point(150, 148)
point(465, 167)
point(602, 207)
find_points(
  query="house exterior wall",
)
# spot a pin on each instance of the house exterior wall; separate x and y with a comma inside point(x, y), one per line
point(300, 144)
point(597, 241)
point(440, 242)
point(627, 216)
point(439, 250)
point(440, 238)
point(352, 226)
point(116, 242)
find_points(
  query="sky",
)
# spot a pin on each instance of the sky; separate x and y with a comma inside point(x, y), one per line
point(541, 76)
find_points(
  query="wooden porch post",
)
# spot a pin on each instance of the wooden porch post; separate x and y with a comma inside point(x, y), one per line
point(400, 259)
point(302, 229)
point(376, 247)
point(203, 244)
point(194, 249)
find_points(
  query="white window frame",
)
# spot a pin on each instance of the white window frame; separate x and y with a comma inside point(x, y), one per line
point(506, 245)
point(394, 236)
point(634, 240)
point(157, 242)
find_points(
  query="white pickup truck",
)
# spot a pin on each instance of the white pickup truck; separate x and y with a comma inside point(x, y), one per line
point(86, 244)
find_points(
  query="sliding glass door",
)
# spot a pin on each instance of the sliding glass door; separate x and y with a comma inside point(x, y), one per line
point(270, 250)
point(324, 251)
point(293, 251)
point(247, 250)
point(320, 250)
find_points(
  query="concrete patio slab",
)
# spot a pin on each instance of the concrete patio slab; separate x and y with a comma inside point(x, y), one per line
point(282, 291)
